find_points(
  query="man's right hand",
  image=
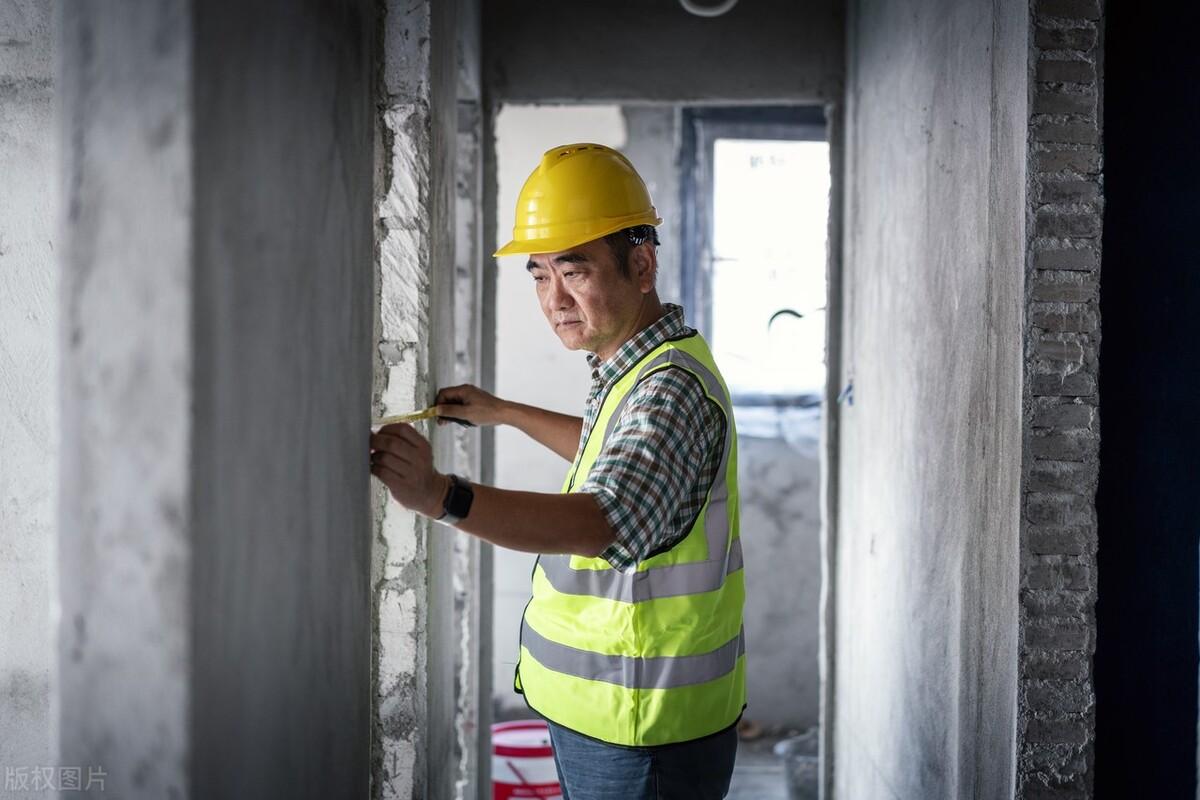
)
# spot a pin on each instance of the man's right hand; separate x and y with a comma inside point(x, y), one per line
point(469, 403)
point(559, 432)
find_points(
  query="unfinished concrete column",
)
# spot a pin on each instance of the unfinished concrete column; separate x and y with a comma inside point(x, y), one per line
point(216, 302)
point(413, 748)
point(472, 557)
point(28, 328)
point(923, 656)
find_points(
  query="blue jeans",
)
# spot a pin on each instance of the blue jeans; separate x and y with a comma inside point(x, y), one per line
point(592, 770)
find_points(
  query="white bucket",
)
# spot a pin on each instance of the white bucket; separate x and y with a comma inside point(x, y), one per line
point(523, 762)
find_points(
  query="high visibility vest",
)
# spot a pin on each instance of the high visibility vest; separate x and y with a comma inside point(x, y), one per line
point(654, 655)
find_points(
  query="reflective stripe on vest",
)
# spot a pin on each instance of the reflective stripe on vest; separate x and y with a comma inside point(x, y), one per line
point(635, 673)
point(655, 654)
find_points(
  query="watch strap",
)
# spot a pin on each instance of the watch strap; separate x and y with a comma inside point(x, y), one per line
point(457, 503)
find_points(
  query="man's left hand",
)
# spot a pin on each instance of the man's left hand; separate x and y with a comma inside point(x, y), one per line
point(403, 460)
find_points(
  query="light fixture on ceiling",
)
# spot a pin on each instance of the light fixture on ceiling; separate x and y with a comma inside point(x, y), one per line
point(692, 7)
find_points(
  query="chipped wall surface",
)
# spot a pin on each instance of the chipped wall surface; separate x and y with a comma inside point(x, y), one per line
point(925, 645)
point(653, 50)
point(214, 538)
point(414, 734)
point(28, 392)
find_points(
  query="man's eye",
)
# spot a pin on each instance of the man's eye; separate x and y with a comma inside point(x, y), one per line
point(539, 278)
point(570, 273)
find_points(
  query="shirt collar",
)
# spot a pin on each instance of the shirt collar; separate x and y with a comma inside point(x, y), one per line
point(669, 325)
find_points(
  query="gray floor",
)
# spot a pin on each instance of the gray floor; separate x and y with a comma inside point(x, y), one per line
point(758, 772)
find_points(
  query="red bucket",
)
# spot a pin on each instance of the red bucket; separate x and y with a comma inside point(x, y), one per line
point(523, 761)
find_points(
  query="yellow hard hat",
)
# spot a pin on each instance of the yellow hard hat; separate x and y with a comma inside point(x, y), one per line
point(578, 193)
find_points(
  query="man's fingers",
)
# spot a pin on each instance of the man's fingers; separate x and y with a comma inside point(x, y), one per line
point(396, 464)
point(409, 434)
point(390, 479)
point(389, 443)
point(456, 410)
point(451, 394)
point(393, 438)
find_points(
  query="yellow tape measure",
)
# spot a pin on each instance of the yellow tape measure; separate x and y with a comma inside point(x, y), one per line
point(412, 416)
point(417, 416)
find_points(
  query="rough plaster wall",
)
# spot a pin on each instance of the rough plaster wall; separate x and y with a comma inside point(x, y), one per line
point(125, 515)
point(414, 731)
point(926, 586)
point(531, 364)
point(280, 604)
point(28, 394)
point(1056, 724)
point(653, 50)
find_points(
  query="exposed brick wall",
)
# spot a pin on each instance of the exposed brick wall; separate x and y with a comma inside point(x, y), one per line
point(1056, 705)
point(413, 729)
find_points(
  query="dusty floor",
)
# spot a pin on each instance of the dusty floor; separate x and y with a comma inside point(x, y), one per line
point(758, 772)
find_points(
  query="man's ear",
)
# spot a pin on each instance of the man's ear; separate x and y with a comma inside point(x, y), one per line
point(643, 266)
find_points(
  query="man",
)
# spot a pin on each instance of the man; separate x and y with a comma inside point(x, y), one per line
point(632, 646)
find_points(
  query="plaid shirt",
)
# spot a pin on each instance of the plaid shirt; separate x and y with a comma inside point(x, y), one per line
point(653, 475)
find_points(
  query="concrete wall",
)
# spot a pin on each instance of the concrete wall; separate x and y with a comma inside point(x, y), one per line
point(924, 658)
point(214, 540)
point(414, 732)
point(653, 50)
point(282, 236)
point(28, 391)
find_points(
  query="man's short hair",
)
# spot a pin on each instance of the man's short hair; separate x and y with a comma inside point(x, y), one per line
point(623, 241)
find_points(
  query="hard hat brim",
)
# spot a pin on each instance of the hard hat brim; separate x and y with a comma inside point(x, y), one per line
point(557, 244)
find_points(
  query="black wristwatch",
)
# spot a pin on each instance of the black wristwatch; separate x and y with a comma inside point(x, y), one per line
point(457, 503)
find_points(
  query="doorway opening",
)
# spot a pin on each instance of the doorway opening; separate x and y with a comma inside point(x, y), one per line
point(744, 195)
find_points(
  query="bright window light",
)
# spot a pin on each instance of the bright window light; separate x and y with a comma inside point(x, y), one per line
point(770, 210)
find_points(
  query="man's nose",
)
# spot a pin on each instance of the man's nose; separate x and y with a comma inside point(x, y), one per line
point(558, 296)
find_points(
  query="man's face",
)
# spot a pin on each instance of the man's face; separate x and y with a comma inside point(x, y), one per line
point(586, 299)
